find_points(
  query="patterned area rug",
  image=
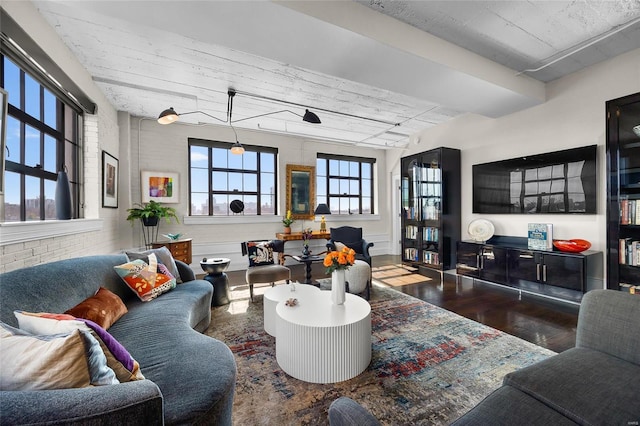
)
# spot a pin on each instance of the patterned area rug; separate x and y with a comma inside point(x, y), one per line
point(428, 366)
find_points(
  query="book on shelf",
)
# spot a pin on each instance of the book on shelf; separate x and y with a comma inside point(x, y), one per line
point(629, 252)
point(629, 212)
point(540, 236)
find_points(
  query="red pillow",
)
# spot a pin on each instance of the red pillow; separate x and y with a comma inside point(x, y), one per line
point(104, 308)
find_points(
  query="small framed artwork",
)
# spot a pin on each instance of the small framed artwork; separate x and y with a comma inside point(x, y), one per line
point(160, 187)
point(109, 180)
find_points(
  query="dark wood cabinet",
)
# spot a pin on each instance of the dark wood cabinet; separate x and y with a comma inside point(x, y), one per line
point(482, 261)
point(180, 250)
point(623, 193)
point(430, 195)
point(508, 261)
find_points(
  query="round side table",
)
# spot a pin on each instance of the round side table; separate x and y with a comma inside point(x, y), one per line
point(215, 268)
point(279, 293)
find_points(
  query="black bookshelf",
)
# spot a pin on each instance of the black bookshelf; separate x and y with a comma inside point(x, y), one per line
point(623, 193)
point(430, 194)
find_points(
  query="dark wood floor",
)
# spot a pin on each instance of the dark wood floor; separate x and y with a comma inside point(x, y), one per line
point(542, 321)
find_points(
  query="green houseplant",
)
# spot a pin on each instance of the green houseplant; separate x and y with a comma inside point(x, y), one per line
point(150, 215)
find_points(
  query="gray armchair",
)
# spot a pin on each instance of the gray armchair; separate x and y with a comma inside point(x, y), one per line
point(352, 238)
point(263, 265)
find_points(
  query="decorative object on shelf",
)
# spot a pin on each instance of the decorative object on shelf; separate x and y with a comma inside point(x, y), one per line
point(172, 237)
point(236, 206)
point(109, 180)
point(306, 236)
point(336, 263)
point(287, 221)
point(481, 230)
point(150, 215)
point(291, 302)
point(63, 197)
point(322, 209)
point(540, 236)
point(159, 186)
point(572, 246)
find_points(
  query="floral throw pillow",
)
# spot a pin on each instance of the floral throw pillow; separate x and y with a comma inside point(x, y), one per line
point(144, 279)
point(260, 253)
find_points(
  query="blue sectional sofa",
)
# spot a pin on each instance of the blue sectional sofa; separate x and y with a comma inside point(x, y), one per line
point(189, 377)
point(595, 383)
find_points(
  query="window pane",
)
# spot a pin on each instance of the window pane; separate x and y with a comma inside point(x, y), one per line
point(557, 185)
point(268, 204)
point(344, 186)
point(50, 199)
point(250, 160)
point(321, 167)
point(235, 161)
point(32, 146)
point(12, 189)
point(50, 154)
point(199, 204)
point(267, 183)
point(344, 168)
point(235, 182)
point(50, 112)
point(354, 187)
point(199, 156)
point(13, 140)
point(220, 205)
point(321, 187)
point(267, 162)
point(12, 82)
point(334, 186)
point(220, 157)
point(354, 169)
point(354, 205)
point(250, 182)
point(334, 167)
point(219, 181)
point(366, 205)
point(32, 97)
point(366, 171)
point(250, 205)
point(32, 198)
point(366, 188)
point(344, 206)
point(199, 180)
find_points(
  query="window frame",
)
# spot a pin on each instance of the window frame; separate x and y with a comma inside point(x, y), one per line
point(210, 145)
point(327, 180)
point(68, 118)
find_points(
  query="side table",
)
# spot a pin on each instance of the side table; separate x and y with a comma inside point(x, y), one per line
point(279, 293)
point(215, 275)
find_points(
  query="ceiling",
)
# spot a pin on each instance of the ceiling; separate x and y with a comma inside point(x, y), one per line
point(374, 71)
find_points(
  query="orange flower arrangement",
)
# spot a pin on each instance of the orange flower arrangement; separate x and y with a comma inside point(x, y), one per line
point(335, 260)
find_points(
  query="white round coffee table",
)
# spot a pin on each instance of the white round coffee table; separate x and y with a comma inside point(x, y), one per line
point(277, 294)
point(320, 342)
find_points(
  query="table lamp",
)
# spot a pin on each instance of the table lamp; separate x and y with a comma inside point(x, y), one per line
point(322, 209)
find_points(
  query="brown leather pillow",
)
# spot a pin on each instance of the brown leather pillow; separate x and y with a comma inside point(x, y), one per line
point(104, 308)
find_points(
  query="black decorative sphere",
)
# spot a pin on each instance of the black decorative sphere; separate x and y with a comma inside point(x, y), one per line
point(237, 206)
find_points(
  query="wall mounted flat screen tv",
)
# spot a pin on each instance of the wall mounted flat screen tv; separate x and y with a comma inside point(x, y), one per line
point(554, 182)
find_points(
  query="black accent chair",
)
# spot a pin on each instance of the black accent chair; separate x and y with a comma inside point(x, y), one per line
point(352, 238)
point(269, 269)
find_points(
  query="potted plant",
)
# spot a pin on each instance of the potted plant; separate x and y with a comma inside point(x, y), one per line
point(150, 215)
point(287, 221)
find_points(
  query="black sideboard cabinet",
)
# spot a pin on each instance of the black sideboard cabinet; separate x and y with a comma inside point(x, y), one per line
point(508, 261)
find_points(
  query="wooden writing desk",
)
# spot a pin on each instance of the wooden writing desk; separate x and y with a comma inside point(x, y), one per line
point(297, 236)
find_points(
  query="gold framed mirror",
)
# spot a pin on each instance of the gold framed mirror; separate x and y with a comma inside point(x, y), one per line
point(301, 191)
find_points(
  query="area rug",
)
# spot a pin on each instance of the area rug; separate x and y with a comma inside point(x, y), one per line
point(429, 366)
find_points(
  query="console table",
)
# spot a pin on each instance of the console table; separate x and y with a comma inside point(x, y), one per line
point(508, 261)
point(297, 236)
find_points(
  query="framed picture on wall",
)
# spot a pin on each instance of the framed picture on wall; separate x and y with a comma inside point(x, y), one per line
point(109, 180)
point(159, 186)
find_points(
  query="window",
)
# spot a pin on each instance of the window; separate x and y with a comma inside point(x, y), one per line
point(345, 183)
point(217, 177)
point(42, 139)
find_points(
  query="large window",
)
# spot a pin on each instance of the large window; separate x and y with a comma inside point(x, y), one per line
point(345, 183)
point(217, 177)
point(42, 139)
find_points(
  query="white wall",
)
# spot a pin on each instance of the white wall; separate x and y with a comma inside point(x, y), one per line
point(165, 148)
point(573, 116)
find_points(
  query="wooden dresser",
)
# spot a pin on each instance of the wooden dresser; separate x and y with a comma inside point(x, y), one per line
point(180, 249)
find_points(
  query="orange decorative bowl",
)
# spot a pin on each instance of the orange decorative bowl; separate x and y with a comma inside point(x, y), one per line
point(572, 246)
